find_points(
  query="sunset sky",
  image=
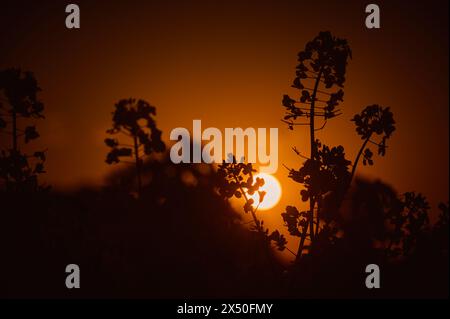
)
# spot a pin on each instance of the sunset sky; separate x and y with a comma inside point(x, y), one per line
point(229, 63)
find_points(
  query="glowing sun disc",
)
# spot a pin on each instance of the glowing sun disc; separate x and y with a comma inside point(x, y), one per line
point(272, 188)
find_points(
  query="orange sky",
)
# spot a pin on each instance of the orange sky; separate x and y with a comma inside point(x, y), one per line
point(228, 63)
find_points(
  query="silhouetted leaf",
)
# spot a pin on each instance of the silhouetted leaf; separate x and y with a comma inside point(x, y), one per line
point(248, 205)
point(261, 194)
point(111, 142)
point(30, 133)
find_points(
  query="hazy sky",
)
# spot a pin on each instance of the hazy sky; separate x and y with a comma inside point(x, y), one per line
point(229, 63)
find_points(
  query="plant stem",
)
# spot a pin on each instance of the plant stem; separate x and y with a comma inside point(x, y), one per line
point(341, 196)
point(355, 164)
point(302, 243)
point(310, 220)
point(319, 206)
point(313, 147)
point(138, 164)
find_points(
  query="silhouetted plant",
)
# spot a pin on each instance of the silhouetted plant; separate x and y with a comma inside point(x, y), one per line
point(328, 173)
point(322, 66)
point(236, 180)
point(134, 119)
point(325, 174)
point(399, 224)
point(19, 101)
point(373, 120)
point(409, 222)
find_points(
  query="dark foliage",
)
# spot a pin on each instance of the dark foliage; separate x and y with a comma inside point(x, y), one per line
point(18, 104)
point(236, 180)
point(177, 240)
point(134, 118)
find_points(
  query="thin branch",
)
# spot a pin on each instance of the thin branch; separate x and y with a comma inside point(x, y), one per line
point(295, 101)
point(293, 123)
point(303, 108)
point(363, 146)
point(125, 132)
point(257, 206)
point(321, 81)
point(304, 114)
point(378, 144)
point(290, 251)
point(313, 73)
point(299, 154)
point(322, 127)
point(337, 114)
point(319, 91)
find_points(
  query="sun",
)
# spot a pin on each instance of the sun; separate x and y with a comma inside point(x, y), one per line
point(272, 188)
